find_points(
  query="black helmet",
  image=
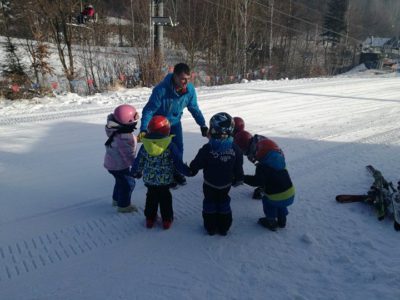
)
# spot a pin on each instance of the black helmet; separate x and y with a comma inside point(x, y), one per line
point(221, 125)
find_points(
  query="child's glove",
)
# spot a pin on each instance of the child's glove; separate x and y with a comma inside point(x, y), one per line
point(204, 130)
point(136, 175)
point(140, 136)
point(190, 172)
point(193, 172)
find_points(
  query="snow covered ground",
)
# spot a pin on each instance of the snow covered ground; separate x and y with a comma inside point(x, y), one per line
point(61, 239)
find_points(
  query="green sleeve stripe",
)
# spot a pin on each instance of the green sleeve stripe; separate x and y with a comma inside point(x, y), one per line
point(282, 196)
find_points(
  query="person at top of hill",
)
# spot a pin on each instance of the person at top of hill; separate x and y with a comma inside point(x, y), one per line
point(169, 98)
point(87, 14)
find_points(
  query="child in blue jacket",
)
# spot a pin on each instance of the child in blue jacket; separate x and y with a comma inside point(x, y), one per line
point(156, 161)
point(278, 190)
point(222, 164)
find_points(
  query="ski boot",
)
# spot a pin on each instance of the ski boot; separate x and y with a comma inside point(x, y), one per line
point(268, 223)
point(150, 222)
point(282, 222)
point(130, 208)
point(167, 224)
point(257, 194)
point(396, 226)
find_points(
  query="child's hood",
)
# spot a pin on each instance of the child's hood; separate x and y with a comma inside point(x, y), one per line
point(111, 125)
point(274, 159)
point(156, 147)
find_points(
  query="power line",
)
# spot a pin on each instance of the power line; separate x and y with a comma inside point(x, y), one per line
point(326, 15)
point(309, 22)
point(257, 18)
point(283, 26)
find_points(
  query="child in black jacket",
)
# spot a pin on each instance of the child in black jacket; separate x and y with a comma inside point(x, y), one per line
point(222, 164)
point(278, 190)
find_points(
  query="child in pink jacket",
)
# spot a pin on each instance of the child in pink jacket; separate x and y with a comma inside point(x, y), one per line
point(120, 154)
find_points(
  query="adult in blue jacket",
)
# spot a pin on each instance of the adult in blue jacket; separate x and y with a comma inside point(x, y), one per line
point(169, 98)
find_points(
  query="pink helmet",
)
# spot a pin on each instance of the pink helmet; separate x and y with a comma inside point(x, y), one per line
point(126, 114)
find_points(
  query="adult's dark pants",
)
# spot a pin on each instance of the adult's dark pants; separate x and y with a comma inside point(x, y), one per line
point(176, 130)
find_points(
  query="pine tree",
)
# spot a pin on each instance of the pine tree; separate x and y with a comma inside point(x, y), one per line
point(12, 64)
point(12, 68)
point(335, 21)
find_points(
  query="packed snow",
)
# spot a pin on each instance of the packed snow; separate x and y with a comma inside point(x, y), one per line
point(62, 239)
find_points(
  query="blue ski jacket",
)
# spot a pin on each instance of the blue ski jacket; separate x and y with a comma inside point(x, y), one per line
point(222, 163)
point(165, 101)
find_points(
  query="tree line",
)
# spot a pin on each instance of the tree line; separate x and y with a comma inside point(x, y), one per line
point(285, 38)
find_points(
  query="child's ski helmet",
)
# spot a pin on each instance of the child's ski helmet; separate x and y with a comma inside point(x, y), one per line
point(126, 114)
point(221, 124)
point(159, 126)
point(239, 124)
point(243, 139)
point(263, 147)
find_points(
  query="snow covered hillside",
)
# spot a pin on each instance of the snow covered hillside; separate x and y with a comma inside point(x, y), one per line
point(60, 238)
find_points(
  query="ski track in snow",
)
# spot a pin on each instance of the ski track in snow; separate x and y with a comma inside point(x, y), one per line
point(36, 252)
point(235, 93)
point(33, 253)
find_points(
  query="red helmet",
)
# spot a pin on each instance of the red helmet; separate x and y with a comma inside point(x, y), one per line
point(126, 114)
point(263, 147)
point(243, 139)
point(159, 125)
point(239, 124)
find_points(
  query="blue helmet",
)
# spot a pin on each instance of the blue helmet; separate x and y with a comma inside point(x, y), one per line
point(221, 125)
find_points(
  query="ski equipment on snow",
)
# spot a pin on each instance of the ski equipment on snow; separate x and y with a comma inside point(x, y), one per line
point(382, 195)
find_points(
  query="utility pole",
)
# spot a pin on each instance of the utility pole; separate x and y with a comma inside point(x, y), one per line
point(159, 33)
point(270, 37)
point(133, 25)
point(245, 38)
point(315, 49)
point(151, 13)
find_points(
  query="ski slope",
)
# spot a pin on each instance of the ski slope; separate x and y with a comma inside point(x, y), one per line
point(61, 239)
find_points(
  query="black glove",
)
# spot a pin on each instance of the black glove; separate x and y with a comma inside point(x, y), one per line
point(137, 175)
point(204, 130)
point(134, 174)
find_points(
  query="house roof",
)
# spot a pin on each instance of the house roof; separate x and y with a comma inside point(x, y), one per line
point(375, 41)
point(393, 43)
